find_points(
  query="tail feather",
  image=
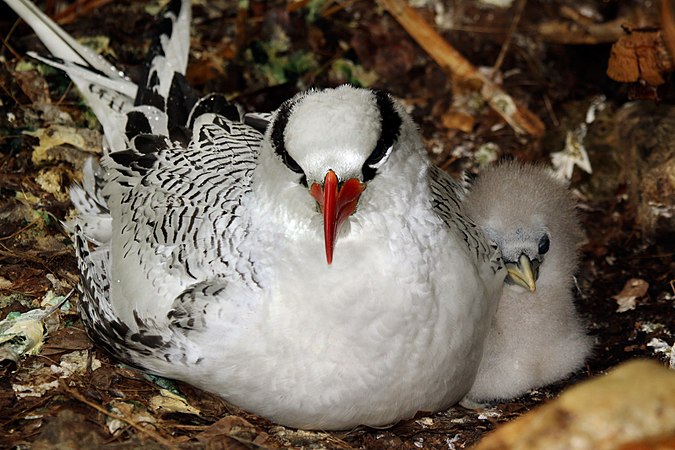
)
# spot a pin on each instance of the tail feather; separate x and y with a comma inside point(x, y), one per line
point(107, 91)
point(110, 93)
point(60, 43)
point(170, 49)
point(122, 86)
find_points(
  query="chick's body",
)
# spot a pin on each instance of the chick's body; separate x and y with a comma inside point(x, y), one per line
point(536, 337)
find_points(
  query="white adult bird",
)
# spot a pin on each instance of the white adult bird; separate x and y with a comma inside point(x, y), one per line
point(206, 248)
point(536, 337)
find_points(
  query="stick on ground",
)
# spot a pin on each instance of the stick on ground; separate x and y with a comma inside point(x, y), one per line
point(451, 61)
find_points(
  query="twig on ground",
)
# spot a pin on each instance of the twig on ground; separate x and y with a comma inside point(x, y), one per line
point(150, 433)
point(517, 116)
point(579, 29)
point(5, 41)
point(79, 8)
point(18, 232)
point(509, 37)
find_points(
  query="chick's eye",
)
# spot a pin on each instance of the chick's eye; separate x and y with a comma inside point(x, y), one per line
point(544, 244)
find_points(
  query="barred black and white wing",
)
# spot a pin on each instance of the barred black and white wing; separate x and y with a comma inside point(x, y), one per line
point(446, 198)
point(178, 229)
point(184, 205)
point(164, 209)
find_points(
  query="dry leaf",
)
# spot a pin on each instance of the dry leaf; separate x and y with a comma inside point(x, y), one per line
point(5, 283)
point(454, 120)
point(168, 402)
point(57, 142)
point(66, 339)
point(133, 411)
point(633, 290)
point(233, 426)
point(640, 56)
point(21, 334)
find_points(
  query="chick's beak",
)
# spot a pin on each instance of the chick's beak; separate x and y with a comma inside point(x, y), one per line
point(337, 202)
point(522, 273)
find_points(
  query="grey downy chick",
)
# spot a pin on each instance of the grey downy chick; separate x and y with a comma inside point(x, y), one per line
point(536, 337)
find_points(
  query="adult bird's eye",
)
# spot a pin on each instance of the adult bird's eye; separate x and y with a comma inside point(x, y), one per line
point(291, 164)
point(544, 244)
point(390, 122)
point(378, 154)
point(374, 161)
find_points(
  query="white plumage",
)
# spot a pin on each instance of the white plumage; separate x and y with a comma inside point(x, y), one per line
point(202, 247)
point(536, 337)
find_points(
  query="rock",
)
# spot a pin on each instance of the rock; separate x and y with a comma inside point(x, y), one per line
point(632, 405)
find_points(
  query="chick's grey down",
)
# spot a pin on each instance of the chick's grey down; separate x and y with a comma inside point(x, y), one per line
point(322, 273)
point(536, 336)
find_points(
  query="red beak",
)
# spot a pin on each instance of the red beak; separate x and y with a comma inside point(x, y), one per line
point(337, 202)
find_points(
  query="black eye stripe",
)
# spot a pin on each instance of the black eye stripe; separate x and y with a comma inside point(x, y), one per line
point(390, 126)
point(291, 164)
point(390, 129)
point(277, 136)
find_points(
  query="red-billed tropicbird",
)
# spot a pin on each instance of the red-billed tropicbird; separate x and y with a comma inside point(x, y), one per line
point(537, 337)
point(322, 274)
